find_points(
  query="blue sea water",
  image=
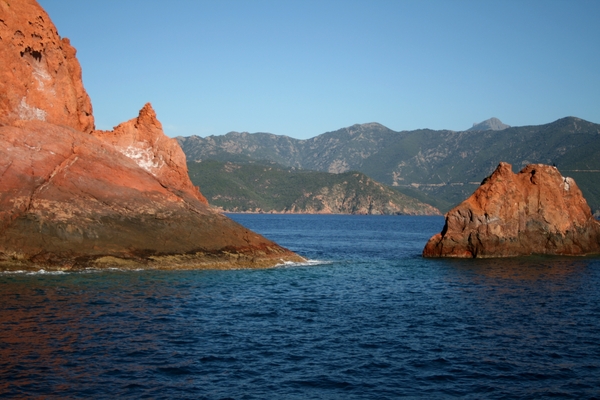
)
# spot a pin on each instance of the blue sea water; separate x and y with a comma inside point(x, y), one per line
point(367, 318)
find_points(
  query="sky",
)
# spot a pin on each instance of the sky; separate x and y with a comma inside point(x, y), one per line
point(302, 68)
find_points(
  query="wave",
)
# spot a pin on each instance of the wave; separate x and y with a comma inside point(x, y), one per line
point(39, 272)
point(75, 271)
point(307, 263)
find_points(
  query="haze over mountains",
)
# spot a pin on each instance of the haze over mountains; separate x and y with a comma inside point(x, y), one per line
point(440, 167)
point(492, 124)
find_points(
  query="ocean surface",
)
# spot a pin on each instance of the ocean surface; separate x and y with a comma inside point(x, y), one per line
point(366, 318)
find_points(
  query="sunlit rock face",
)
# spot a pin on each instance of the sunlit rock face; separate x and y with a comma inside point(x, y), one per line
point(40, 75)
point(74, 197)
point(536, 211)
point(142, 139)
point(69, 198)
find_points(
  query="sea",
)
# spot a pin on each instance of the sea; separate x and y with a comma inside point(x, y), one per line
point(366, 317)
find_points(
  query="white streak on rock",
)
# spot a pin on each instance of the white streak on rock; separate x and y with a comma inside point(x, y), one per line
point(144, 157)
point(27, 112)
point(41, 76)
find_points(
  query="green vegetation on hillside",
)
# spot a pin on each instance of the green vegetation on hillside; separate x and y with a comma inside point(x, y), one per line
point(269, 187)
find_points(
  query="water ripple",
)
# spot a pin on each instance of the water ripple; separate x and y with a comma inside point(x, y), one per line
point(355, 326)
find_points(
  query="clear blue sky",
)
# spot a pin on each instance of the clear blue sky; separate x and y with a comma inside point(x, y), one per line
point(302, 68)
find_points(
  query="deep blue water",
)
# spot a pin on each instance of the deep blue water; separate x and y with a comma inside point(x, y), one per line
point(370, 320)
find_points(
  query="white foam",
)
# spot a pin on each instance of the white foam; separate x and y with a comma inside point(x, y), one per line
point(306, 263)
point(12, 272)
point(44, 272)
point(91, 270)
point(40, 272)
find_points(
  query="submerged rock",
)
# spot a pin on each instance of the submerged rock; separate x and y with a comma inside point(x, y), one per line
point(73, 197)
point(537, 211)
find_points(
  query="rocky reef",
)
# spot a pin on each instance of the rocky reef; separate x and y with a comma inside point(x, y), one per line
point(76, 197)
point(536, 211)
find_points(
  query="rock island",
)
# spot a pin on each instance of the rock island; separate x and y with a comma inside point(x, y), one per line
point(536, 211)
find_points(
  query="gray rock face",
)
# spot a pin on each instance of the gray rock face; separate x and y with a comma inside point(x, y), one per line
point(492, 124)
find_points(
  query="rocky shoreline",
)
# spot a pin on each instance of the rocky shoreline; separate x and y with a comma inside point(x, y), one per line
point(197, 261)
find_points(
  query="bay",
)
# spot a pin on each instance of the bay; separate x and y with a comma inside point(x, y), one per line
point(366, 317)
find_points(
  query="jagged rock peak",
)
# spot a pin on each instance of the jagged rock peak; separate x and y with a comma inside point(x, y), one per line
point(492, 124)
point(147, 115)
point(142, 139)
point(71, 200)
point(537, 211)
point(43, 77)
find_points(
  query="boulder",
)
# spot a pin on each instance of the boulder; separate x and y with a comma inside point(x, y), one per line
point(537, 211)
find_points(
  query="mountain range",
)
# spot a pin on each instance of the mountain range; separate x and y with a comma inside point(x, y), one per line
point(269, 187)
point(439, 167)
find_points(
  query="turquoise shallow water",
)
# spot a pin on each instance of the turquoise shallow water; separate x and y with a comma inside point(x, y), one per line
point(368, 318)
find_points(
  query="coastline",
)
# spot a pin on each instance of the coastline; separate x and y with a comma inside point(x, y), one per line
point(219, 210)
point(222, 260)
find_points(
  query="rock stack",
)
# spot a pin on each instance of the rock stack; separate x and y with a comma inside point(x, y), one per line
point(537, 211)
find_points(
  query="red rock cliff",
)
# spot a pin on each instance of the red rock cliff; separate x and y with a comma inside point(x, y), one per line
point(122, 198)
point(70, 200)
point(40, 75)
point(537, 211)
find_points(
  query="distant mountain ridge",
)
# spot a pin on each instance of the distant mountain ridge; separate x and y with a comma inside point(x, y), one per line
point(439, 167)
point(492, 124)
point(358, 141)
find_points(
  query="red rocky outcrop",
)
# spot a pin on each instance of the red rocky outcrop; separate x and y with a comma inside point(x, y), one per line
point(74, 197)
point(69, 199)
point(537, 211)
point(142, 139)
point(40, 75)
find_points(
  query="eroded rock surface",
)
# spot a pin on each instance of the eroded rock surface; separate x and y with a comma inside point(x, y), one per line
point(536, 211)
point(40, 75)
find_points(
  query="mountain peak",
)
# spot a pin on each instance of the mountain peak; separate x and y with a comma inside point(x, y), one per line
point(492, 124)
